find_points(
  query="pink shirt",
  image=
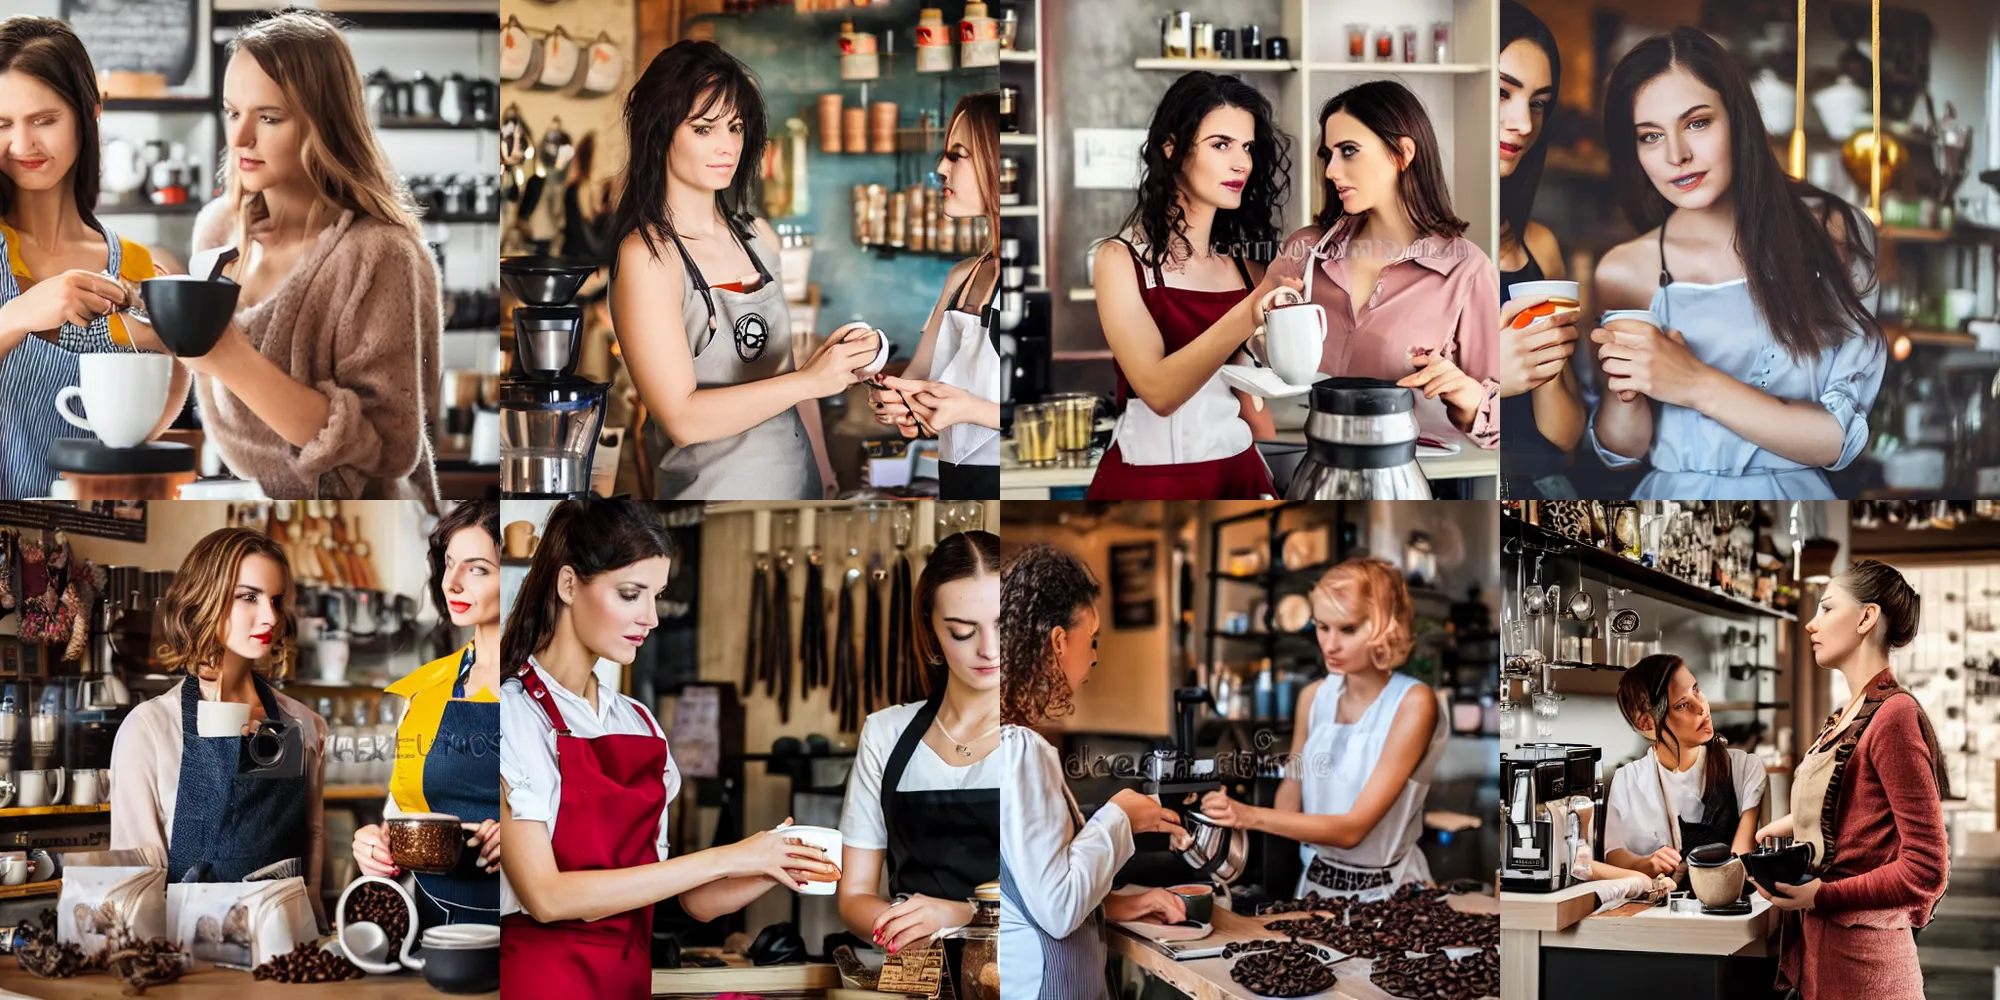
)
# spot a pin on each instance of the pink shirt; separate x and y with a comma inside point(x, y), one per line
point(1441, 295)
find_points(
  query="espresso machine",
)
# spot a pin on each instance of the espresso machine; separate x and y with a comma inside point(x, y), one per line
point(550, 416)
point(1550, 798)
point(1361, 444)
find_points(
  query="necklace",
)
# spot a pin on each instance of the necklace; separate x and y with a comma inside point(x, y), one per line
point(964, 748)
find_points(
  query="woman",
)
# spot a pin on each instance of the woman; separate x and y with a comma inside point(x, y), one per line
point(704, 328)
point(1690, 789)
point(925, 790)
point(961, 343)
point(1422, 316)
point(1763, 376)
point(1177, 294)
point(1868, 797)
point(49, 104)
point(1056, 869)
point(226, 618)
point(448, 742)
point(1367, 740)
point(1541, 412)
point(585, 777)
point(318, 387)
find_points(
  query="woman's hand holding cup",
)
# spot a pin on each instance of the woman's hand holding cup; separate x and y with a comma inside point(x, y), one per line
point(371, 852)
point(1532, 353)
point(788, 861)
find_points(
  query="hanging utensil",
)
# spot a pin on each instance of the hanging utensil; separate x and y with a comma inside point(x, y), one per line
point(871, 636)
point(760, 596)
point(778, 659)
point(902, 645)
point(845, 679)
point(812, 627)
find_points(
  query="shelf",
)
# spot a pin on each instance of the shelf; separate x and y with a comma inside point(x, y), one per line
point(1907, 234)
point(22, 812)
point(461, 219)
point(1934, 338)
point(162, 105)
point(1017, 56)
point(1219, 65)
point(433, 125)
point(1020, 211)
point(1746, 706)
point(346, 793)
point(1272, 576)
point(1083, 295)
point(1644, 579)
point(1099, 355)
point(1019, 139)
point(1398, 69)
point(378, 15)
point(147, 208)
point(30, 890)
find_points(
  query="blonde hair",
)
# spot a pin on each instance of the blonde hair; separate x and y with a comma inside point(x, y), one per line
point(304, 54)
point(189, 620)
point(1372, 590)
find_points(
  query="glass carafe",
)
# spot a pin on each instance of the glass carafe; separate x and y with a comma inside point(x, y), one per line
point(979, 967)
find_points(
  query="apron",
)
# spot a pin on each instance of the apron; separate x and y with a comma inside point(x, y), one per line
point(1342, 757)
point(610, 810)
point(1717, 826)
point(1814, 778)
point(1073, 967)
point(967, 355)
point(228, 824)
point(739, 337)
point(942, 842)
point(462, 777)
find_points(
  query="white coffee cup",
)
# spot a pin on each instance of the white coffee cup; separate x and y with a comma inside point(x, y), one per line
point(123, 395)
point(85, 788)
point(41, 788)
point(13, 867)
point(216, 719)
point(1293, 337)
point(826, 839)
point(860, 329)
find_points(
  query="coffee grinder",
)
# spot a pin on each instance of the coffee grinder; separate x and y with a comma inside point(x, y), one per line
point(549, 415)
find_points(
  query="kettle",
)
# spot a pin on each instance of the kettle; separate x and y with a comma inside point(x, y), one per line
point(454, 99)
point(1216, 850)
point(1361, 444)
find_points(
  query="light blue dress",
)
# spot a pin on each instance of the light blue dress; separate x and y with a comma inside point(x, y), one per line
point(1694, 457)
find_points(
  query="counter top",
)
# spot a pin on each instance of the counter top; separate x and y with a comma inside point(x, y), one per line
point(207, 982)
point(1208, 978)
point(1565, 920)
point(1470, 462)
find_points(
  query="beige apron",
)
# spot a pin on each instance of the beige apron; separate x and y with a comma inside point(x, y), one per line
point(1811, 779)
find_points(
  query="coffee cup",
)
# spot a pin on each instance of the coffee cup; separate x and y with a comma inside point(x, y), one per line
point(123, 396)
point(43, 787)
point(826, 839)
point(1562, 296)
point(520, 535)
point(1200, 900)
point(85, 788)
point(13, 867)
point(41, 865)
point(1293, 337)
point(218, 719)
point(856, 331)
point(189, 314)
point(1630, 321)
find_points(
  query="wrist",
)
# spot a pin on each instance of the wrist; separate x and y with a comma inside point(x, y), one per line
point(1703, 389)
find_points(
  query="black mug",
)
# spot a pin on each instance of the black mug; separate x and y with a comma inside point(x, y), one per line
point(1253, 41)
point(1278, 48)
point(1225, 43)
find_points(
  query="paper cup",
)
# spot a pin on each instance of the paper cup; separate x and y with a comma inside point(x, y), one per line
point(1641, 315)
point(216, 719)
point(826, 839)
point(1562, 298)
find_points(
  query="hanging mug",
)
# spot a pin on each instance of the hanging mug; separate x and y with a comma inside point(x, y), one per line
point(518, 52)
point(560, 58)
point(603, 67)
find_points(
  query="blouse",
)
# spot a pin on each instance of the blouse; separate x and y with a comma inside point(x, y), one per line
point(1635, 818)
point(1064, 870)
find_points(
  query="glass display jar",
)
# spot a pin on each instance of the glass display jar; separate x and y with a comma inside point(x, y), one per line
point(980, 964)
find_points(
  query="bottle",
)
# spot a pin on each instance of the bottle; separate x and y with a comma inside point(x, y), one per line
point(385, 739)
point(933, 42)
point(1010, 103)
point(858, 58)
point(978, 37)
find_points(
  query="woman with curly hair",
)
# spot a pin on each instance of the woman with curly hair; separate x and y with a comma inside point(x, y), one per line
point(1177, 294)
point(1056, 868)
point(224, 622)
point(1364, 746)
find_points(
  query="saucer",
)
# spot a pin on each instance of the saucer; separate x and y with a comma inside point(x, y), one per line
point(1264, 383)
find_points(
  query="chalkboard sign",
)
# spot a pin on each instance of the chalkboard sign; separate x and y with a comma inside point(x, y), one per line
point(121, 519)
point(140, 36)
point(1135, 599)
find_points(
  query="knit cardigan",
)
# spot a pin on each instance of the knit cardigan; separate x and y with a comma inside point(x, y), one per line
point(360, 320)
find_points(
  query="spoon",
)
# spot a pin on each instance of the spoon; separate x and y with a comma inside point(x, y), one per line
point(1581, 607)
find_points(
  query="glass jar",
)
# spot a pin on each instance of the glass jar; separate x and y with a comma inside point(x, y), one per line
point(980, 964)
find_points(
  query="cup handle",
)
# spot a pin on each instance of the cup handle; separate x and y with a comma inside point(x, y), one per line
point(62, 785)
point(1258, 348)
point(1321, 315)
point(68, 393)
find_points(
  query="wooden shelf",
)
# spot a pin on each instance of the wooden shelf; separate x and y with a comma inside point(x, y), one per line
point(1626, 573)
point(1907, 234)
point(1019, 139)
point(29, 890)
point(1083, 295)
point(345, 793)
point(1220, 65)
point(1398, 68)
point(1018, 56)
point(1020, 211)
point(26, 811)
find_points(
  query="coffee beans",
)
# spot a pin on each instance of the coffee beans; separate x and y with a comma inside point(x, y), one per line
point(1437, 977)
point(308, 963)
point(380, 905)
point(1279, 968)
point(154, 962)
point(426, 844)
point(48, 958)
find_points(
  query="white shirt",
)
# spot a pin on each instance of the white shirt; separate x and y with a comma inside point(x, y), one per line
point(861, 821)
point(1337, 761)
point(1635, 817)
point(1063, 876)
point(528, 761)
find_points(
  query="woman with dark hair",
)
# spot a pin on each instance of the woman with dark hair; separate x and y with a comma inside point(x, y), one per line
point(448, 741)
point(1056, 868)
point(49, 105)
point(1408, 298)
point(1868, 798)
point(585, 777)
point(696, 299)
point(960, 348)
point(1177, 293)
point(225, 622)
point(1762, 375)
point(1541, 412)
point(1690, 789)
point(924, 794)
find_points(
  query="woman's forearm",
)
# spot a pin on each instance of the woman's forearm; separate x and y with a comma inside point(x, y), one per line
point(594, 895)
point(986, 413)
point(1623, 858)
point(1798, 429)
point(727, 895)
point(860, 910)
point(1559, 412)
point(1335, 830)
point(726, 411)
point(296, 411)
point(1625, 428)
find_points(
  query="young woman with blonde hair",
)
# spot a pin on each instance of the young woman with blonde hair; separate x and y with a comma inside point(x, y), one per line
point(1365, 742)
point(321, 386)
point(225, 620)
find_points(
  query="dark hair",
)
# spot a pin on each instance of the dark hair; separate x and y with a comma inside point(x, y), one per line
point(1158, 221)
point(1880, 584)
point(1390, 111)
point(981, 113)
point(966, 554)
point(1798, 279)
point(1642, 694)
point(1041, 589)
point(46, 49)
point(687, 80)
point(1517, 190)
point(470, 514)
point(590, 536)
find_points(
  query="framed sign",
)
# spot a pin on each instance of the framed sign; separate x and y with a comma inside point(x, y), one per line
point(1135, 597)
point(137, 36)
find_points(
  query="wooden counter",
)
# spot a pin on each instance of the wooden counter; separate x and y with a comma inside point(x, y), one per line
point(1532, 921)
point(1208, 978)
point(208, 982)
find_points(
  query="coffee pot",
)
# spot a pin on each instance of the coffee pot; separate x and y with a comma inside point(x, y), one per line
point(1361, 444)
point(1180, 780)
point(454, 102)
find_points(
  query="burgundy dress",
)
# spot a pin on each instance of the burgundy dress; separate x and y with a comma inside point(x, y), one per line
point(1181, 315)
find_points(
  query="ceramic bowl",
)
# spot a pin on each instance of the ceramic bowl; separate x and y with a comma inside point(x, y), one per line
point(1715, 875)
point(1785, 865)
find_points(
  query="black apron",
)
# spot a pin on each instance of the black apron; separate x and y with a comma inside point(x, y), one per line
point(227, 823)
point(462, 777)
point(1718, 816)
point(943, 843)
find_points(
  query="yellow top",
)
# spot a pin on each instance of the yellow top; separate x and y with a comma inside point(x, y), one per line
point(429, 690)
point(135, 265)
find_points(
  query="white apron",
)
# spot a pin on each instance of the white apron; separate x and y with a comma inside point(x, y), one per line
point(964, 357)
point(1338, 759)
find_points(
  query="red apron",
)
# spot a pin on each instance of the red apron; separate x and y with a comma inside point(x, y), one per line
point(612, 794)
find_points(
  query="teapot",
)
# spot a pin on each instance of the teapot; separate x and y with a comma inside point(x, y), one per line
point(425, 91)
point(454, 101)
